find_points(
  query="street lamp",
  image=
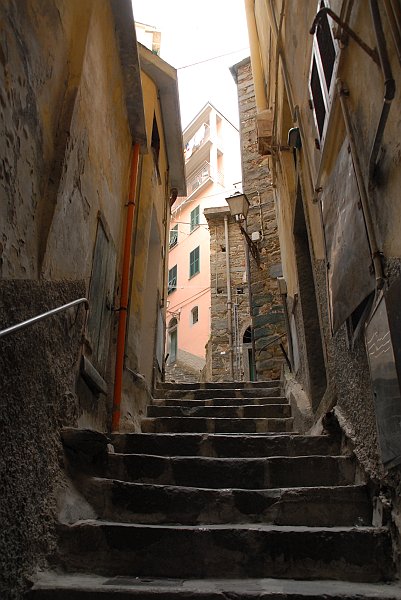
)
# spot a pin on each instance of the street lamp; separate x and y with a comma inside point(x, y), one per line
point(239, 206)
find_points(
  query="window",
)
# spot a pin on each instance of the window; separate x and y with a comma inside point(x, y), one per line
point(174, 236)
point(323, 64)
point(156, 148)
point(194, 262)
point(195, 218)
point(172, 279)
point(194, 315)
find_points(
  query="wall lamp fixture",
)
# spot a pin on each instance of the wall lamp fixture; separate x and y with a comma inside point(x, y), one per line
point(239, 206)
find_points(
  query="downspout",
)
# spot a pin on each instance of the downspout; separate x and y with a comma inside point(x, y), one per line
point(122, 320)
point(393, 11)
point(256, 63)
point(248, 277)
point(389, 88)
point(229, 302)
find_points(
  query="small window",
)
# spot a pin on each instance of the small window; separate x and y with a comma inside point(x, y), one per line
point(194, 262)
point(195, 218)
point(155, 140)
point(194, 315)
point(174, 236)
point(322, 78)
point(172, 279)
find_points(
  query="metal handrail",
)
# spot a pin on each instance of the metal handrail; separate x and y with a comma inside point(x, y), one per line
point(38, 318)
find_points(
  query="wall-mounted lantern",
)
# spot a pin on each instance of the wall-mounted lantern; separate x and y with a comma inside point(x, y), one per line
point(239, 206)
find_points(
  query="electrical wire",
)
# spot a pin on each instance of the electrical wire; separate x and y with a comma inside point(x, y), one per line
point(188, 300)
point(212, 58)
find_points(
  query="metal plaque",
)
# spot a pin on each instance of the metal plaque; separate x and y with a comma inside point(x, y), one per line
point(350, 279)
point(383, 335)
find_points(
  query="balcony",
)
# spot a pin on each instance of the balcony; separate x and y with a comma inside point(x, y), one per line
point(201, 177)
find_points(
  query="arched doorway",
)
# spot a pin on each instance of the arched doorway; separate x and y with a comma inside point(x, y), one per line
point(249, 369)
point(172, 341)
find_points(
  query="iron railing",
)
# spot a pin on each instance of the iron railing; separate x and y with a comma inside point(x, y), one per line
point(42, 316)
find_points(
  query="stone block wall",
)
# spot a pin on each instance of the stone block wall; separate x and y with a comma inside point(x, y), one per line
point(267, 315)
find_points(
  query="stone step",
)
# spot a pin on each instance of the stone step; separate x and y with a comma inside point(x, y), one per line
point(205, 394)
point(355, 554)
point(225, 446)
point(211, 425)
point(226, 385)
point(164, 504)
point(220, 401)
point(245, 473)
point(56, 586)
point(272, 411)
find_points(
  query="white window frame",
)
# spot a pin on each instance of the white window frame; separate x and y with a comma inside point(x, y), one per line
point(195, 311)
point(327, 94)
point(173, 241)
point(172, 281)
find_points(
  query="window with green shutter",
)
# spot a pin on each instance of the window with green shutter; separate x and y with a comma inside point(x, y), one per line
point(194, 262)
point(174, 236)
point(195, 218)
point(172, 279)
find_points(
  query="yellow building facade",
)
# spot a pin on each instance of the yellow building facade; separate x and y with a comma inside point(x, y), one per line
point(327, 81)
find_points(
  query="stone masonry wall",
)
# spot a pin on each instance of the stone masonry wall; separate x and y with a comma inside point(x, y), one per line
point(39, 368)
point(268, 312)
point(267, 309)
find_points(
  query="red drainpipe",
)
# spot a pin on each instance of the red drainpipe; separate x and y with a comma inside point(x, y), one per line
point(122, 321)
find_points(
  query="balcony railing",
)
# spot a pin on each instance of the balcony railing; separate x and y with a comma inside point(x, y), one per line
point(197, 141)
point(201, 176)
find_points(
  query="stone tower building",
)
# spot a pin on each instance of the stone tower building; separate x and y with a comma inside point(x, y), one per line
point(244, 342)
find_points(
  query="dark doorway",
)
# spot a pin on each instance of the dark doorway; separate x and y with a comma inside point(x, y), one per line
point(313, 371)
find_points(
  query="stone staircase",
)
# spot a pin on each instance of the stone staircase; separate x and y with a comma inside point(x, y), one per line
point(217, 498)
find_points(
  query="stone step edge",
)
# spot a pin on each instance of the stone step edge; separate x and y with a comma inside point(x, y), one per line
point(275, 589)
point(296, 490)
point(262, 527)
point(231, 459)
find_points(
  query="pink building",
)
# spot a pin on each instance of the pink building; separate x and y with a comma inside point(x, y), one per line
point(213, 167)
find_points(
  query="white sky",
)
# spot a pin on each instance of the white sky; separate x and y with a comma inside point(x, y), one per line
point(194, 31)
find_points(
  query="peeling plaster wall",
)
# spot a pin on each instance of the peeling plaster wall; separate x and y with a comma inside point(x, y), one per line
point(64, 159)
point(38, 369)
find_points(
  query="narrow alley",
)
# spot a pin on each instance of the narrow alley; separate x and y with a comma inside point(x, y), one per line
point(200, 292)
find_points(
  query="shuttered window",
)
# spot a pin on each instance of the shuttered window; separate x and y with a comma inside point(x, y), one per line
point(194, 265)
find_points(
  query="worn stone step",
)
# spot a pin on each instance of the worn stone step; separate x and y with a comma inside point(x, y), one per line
point(272, 411)
point(355, 554)
point(233, 445)
point(211, 425)
point(220, 401)
point(56, 586)
point(201, 394)
point(163, 504)
point(246, 473)
point(226, 385)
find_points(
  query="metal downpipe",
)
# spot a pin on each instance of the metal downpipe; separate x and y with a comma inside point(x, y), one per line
point(389, 88)
point(122, 319)
point(229, 301)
